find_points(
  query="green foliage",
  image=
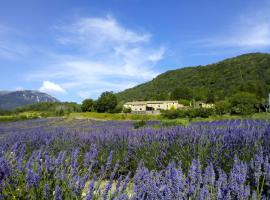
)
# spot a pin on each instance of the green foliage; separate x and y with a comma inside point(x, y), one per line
point(44, 109)
point(126, 110)
point(88, 105)
point(107, 102)
point(244, 103)
point(222, 107)
point(190, 113)
point(51, 106)
point(249, 73)
point(169, 114)
point(210, 98)
point(182, 93)
point(114, 116)
point(184, 102)
point(118, 108)
point(60, 112)
point(200, 112)
point(139, 124)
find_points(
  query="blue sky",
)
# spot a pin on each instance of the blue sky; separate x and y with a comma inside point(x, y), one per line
point(74, 49)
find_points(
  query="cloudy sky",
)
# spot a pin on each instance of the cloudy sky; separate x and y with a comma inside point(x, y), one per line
point(78, 49)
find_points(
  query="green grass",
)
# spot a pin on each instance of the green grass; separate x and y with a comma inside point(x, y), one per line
point(113, 116)
point(265, 116)
point(125, 116)
point(20, 116)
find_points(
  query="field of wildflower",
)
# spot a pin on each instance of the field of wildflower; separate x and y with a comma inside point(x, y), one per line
point(84, 159)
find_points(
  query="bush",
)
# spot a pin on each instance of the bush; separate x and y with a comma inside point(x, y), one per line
point(170, 114)
point(88, 105)
point(222, 107)
point(107, 102)
point(139, 124)
point(184, 102)
point(191, 113)
point(126, 110)
point(244, 103)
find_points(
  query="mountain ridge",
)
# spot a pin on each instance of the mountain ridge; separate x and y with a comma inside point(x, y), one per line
point(224, 78)
point(14, 99)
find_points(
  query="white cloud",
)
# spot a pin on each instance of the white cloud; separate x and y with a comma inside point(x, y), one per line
point(249, 31)
point(104, 55)
point(19, 88)
point(95, 32)
point(51, 88)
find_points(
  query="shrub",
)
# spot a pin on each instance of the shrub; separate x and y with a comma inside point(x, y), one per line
point(107, 102)
point(139, 124)
point(184, 102)
point(170, 114)
point(244, 103)
point(223, 107)
point(126, 110)
point(88, 105)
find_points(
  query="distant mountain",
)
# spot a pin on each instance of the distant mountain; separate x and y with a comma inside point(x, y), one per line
point(14, 99)
point(248, 72)
point(3, 92)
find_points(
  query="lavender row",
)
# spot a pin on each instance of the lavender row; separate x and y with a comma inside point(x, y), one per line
point(55, 159)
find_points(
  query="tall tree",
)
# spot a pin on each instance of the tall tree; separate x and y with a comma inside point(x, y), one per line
point(88, 105)
point(107, 102)
point(244, 103)
point(181, 93)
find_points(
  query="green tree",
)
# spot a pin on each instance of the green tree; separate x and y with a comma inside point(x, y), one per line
point(222, 107)
point(181, 93)
point(88, 105)
point(107, 102)
point(210, 98)
point(184, 102)
point(244, 103)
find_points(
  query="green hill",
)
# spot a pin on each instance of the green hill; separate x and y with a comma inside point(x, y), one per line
point(248, 72)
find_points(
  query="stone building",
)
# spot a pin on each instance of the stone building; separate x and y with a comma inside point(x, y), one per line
point(152, 106)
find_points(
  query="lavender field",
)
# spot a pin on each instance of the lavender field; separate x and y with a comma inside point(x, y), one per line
point(84, 159)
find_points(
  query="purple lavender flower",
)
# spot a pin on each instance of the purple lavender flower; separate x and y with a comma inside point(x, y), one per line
point(204, 194)
point(60, 158)
point(91, 187)
point(46, 192)
point(91, 155)
point(74, 158)
point(194, 178)
point(122, 197)
point(57, 193)
point(109, 161)
point(222, 184)
point(175, 181)
point(266, 167)
point(5, 168)
point(237, 179)
point(209, 176)
point(125, 183)
point(32, 179)
point(257, 166)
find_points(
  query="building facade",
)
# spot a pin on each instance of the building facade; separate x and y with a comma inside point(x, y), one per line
point(153, 107)
point(200, 104)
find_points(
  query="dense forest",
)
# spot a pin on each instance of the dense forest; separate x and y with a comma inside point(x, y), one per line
point(246, 73)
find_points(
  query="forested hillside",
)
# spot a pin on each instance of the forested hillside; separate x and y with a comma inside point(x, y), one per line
point(214, 82)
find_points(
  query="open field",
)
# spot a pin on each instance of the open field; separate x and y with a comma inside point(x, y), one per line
point(113, 116)
point(59, 158)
